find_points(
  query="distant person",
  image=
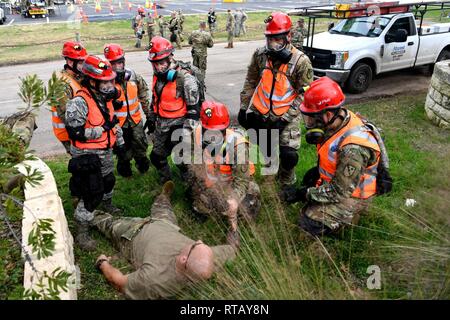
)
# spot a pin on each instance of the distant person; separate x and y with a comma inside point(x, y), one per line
point(165, 260)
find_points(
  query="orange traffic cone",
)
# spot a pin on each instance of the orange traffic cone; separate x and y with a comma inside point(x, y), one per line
point(98, 7)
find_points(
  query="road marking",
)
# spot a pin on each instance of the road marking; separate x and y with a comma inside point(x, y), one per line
point(10, 101)
point(10, 22)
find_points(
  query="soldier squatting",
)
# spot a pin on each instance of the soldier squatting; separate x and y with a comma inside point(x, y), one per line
point(104, 115)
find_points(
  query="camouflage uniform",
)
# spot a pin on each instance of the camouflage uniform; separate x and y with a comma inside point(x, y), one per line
point(238, 16)
point(76, 115)
point(138, 31)
point(151, 24)
point(21, 124)
point(200, 41)
point(288, 124)
point(187, 87)
point(162, 25)
point(133, 133)
point(212, 22)
point(212, 200)
point(152, 244)
point(331, 206)
point(230, 29)
point(298, 35)
point(174, 26)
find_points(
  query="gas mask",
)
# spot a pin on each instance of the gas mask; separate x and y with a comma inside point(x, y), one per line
point(316, 126)
point(107, 90)
point(163, 71)
point(276, 48)
point(76, 67)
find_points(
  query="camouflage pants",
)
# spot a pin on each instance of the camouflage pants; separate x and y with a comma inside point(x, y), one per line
point(212, 28)
point(288, 146)
point(230, 36)
point(321, 219)
point(151, 34)
point(121, 231)
point(199, 60)
point(135, 142)
point(178, 39)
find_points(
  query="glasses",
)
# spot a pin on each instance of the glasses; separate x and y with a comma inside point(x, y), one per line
point(190, 251)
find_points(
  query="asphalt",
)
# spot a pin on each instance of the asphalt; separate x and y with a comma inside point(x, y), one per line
point(224, 79)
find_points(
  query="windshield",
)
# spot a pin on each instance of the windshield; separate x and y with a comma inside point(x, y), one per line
point(361, 27)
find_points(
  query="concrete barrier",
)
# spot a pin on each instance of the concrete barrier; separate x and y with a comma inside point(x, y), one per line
point(43, 202)
point(437, 103)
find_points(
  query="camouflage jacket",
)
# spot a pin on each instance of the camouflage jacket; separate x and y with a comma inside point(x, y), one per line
point(301, 76)
point(200, 41)
point(173, 25)
point(230, 22)
point(352, 161)
point(61, 107)
point(76, 116)
point(22, 124)
point(298, 35)
point(150, 23)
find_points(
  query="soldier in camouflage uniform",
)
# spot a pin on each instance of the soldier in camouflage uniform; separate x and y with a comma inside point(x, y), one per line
point(230, 29)
point(175, 103)
point(151, 26)
point(298, 34)
point(139, 27)
point(349, 148)
point(134, 97)
point(162, 25)
point(273, 104)
point(225, 174)
point(92, 164)
point(200, 41)
point(165, 260)
point(174, 28)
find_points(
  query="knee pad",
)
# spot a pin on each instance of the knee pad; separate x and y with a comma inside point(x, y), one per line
point(109, 181)
point(288, 157)
point(158, 161)
point(142, 164)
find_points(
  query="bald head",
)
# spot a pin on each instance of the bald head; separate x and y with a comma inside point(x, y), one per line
point(196, 261)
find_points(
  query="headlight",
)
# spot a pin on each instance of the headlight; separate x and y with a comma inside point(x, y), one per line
point(341, 58)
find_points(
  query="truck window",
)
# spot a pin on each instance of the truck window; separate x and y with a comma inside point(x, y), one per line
point(361, 27)
point(403, 23)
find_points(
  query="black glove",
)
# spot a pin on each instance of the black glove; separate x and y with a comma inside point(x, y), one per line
point(120, 151)
point(109, 125)
point(117, 105)
point(311, 177)
point(150, 125)
point(291, 194)
point(242, 118)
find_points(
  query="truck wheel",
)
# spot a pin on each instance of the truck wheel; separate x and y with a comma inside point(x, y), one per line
point(444, 55)
point(360, 78)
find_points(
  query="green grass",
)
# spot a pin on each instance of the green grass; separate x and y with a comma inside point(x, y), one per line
point(410, 245)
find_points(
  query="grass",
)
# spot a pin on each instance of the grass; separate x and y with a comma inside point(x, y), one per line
point(409, 244)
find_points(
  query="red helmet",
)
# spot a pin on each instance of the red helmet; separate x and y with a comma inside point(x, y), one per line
point(74, 50)
point(214, 115)
point(141, 10)
point(160, 48)
point(113, 52)
point(98, 69)
point(323, 94)
point(277, 23)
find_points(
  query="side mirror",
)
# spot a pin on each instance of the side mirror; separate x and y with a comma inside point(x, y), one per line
point(330, 26)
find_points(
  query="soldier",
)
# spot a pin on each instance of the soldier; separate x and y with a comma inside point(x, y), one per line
point(200, 41)
point(212, 21)
point(93, 130)
point(272, 94)
point(127, 108)
point(298, 34)
point(165, 260)
point(161, 26)
point(139, 26)
point(226, 174)
point(175, 103)
point(243, 21)
point(74, 54)
point(174, 28)
point(237, 22)
point(151, 25)
point(349, 150)
point(230, 29)
point(180, 18)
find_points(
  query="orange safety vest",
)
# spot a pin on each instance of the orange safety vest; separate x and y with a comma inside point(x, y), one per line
point(219, 167)
point(59, 128)
point(354, 132)
point(168, 105)
point(274, 91)
point(130, 103)
point(95, 119)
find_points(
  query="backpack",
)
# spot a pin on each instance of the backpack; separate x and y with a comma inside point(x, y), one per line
point(384, 179)
point(197, 73)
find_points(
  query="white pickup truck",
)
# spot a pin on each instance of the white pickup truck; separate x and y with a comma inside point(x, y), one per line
point(356, 49)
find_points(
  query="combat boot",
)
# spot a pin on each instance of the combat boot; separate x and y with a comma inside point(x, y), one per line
point(83, 240)
point(107, 206)
point(143, 164)
point(165, 174)
point(168, 188)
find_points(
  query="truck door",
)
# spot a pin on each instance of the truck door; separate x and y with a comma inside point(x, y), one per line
point(400, 51)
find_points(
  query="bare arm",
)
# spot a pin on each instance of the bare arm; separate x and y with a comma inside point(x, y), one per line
point(116, 278)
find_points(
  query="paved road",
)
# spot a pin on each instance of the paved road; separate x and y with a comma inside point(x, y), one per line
point(224, 80)
point(121, 10)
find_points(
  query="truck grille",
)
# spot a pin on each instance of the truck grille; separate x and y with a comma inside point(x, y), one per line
point(320, 59)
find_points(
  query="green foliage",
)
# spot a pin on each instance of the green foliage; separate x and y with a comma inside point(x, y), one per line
point(42, 238)
point(49, 286)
